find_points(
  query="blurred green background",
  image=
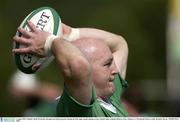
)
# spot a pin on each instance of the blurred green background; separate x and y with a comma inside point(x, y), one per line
point(141, 22)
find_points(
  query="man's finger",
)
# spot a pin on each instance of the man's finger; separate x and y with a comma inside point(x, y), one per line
point(25, 32)
point(21, 50)
point(36, 66)
point(21, 40)
point(32, 26)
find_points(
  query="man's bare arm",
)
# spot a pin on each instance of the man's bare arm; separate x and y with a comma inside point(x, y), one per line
point(116, 43)
point(74, 66)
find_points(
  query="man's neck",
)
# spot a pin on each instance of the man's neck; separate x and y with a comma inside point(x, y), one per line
point(105, 99)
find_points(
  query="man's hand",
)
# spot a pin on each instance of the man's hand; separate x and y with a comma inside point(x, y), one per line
point(34, 41)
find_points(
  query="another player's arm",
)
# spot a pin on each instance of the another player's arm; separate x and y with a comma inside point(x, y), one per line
point(117, 44)
point(74, 66)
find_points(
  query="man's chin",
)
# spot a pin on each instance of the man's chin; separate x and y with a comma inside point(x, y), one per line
point(111, 87)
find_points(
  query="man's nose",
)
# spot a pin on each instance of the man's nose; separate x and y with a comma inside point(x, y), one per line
point(115, 69)
point(114, 72)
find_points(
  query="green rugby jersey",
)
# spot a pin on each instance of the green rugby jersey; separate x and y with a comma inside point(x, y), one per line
point(68, 106)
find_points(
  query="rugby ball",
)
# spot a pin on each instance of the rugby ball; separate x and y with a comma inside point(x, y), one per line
point(45, 19)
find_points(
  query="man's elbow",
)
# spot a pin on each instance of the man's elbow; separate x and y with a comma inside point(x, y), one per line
point(123, 44)
point(80, 67)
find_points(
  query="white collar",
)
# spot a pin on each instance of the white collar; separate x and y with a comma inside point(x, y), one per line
point(107, 106)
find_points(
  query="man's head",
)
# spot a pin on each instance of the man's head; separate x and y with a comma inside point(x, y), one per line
point(103, 65)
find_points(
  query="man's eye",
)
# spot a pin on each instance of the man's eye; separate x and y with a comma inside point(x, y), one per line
point(108, 64)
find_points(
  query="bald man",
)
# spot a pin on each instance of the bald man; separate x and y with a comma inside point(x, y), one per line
point(93, 64)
